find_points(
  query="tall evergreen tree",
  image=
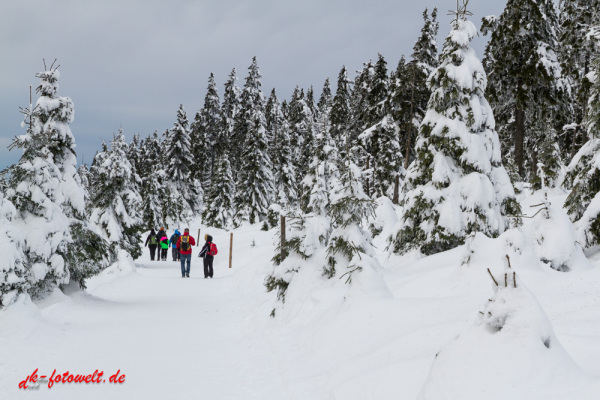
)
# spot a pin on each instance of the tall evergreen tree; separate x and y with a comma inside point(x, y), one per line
point(583, 203)
point(577, 17)
point(46, 189)
point(207, 135)
point(526, 88)
point(179, 161)
point(424, 60)
point(219, 211)
point(157, 207)
point(115, 202)
point(326, 100)
point(340, 109)
point(229, 112)
point(457, 150)
point(254, 179)
point(286, 188)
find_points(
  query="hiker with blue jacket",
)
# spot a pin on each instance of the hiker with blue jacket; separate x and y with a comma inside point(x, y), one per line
point(173, 241)
point(208, 252)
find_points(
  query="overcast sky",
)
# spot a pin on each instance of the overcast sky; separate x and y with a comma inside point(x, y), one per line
point(129, 64)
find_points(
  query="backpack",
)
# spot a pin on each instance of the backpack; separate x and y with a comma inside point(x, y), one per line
point(212, 250)
point(174, 239)
point(185, 243)
point(153, 240)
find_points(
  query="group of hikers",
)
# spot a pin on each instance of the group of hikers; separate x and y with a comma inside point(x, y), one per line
point(181, 249)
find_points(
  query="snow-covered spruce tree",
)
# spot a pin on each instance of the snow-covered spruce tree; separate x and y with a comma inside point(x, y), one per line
point(301, 123)
point(340, 108)
point(286, 191)
point(583, 174)
point(326, 100)
point(156, 193)
point(115, 203)
point(457, 185)
point(323, 176)
point(380, 140)
point(219, 210)
point(350, 252)
point(178, 162)
point(255, 185)
point(229, 111)
point(254, 179)
point(14, 272)
point(526, 88)
point(206, 135)
point(577, 17)
point(424, 59)
point(46, 189)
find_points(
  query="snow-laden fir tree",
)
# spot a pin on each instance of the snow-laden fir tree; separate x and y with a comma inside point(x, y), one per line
point(416, 93)
point(323, 176)
point(179, 162)
point(380, 140)
point(219, 208)
point(46, 189)
point(254, 183)
point(14, 272)
point(252, 103)
point(583, 203)
point(457, 185)
point(326, 100)
point(301, 126)
point(229, 111)
point(206, 135)
point(526, 88)
point(115, 202)
point(350, 254)
point(577, 17)
point(340, 108)
point(156, 194)
point(284, 171)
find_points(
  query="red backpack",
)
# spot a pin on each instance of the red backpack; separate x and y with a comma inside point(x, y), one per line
point(212, 250)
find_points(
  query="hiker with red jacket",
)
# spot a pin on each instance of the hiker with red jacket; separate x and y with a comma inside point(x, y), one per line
point(208, 253)
point(184, 245)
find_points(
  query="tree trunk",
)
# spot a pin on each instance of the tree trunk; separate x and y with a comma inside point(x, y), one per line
point(520, 140)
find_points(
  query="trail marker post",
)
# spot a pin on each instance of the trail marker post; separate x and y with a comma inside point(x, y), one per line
point(230, 248)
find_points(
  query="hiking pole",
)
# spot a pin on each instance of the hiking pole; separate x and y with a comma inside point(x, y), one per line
point(198, 241)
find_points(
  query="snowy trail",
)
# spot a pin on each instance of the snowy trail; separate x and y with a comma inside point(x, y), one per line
point(195, 337)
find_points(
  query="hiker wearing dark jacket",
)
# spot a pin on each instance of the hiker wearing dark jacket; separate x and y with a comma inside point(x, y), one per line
point(184, 245)
point(208, 259)
point(152, 243)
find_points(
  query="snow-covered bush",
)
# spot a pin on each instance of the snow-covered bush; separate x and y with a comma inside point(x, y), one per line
point(516, 348)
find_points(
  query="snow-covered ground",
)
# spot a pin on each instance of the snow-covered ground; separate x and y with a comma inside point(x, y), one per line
point(447, 332)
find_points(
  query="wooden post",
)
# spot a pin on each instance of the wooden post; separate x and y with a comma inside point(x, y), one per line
point(282, 244)
point(198, 241)
point(230, 248)
point(490, 272)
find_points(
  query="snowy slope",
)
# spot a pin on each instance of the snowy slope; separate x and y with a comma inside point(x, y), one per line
point(201, 338)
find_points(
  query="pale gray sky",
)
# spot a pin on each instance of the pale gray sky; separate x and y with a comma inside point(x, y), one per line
point(130, 63)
